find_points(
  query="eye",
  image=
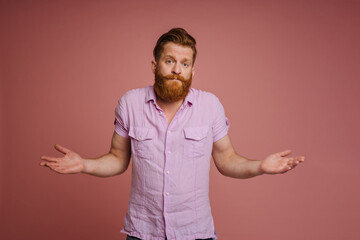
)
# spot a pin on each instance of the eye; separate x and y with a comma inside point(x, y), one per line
point(169, 61)
point(186, 64)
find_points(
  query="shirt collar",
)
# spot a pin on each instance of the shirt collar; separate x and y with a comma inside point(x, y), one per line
point(151, 96)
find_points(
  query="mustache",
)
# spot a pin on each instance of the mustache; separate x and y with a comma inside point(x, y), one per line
point(169, 77)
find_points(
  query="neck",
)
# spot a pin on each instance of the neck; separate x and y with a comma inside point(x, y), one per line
point(169, 106)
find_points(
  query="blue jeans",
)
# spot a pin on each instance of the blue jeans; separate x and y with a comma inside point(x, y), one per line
point(135, 238)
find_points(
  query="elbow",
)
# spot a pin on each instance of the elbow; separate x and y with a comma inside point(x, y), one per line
point(224, 164)
point(121, 162)
point(222, 168)
point(123, 168)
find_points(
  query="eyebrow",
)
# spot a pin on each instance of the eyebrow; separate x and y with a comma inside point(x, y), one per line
point(184, 60)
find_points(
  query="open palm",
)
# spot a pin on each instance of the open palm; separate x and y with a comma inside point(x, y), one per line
point(71, 162)
point(280, 163)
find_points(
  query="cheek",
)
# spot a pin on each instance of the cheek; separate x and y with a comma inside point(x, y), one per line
point(188, 75)
point(164, 69)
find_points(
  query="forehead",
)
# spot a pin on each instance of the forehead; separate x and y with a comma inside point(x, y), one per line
point(177, 51)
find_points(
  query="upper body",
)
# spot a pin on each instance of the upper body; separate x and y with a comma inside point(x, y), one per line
point(171, 131)
point(171, 163)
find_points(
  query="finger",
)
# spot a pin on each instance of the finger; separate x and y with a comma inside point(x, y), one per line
point(61, 149)
point(293, 165)
point(50, 159)
point(290, 164)
point(57, 170)
point(42, 163)
point(53, 167)
point(300, 158)
point(284, 153)
point(293, 162)
point(285, 165)
point(50, 164)
point(284, 168)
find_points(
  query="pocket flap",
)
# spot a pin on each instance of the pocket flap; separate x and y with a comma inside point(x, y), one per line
point(140, 133)
point(196, 133)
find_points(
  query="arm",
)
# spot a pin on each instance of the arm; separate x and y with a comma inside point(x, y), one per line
point(230, 164)
point(113, 163)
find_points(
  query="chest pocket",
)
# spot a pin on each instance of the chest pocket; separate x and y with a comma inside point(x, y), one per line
point(196, 139)
point(142, 141)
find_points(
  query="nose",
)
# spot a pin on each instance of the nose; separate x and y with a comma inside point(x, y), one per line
point(176, 69)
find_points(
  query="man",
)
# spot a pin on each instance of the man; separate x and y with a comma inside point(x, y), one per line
point(170, 131)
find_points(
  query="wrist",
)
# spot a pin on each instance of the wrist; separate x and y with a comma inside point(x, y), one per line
point(86, 166)
point(260, 169)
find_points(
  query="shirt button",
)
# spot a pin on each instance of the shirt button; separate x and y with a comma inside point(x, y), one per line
point(169, 131)
point(162, 231)
point(139, 138)
point(169, 152)
point(166, 214)
point(167, 172)
point(167, 194)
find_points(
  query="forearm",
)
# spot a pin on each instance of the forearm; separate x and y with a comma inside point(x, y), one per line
point(231, 164)
point(105, 166)
point(237, 166)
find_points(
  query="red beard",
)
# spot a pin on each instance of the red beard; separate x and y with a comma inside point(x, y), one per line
point(171, 91)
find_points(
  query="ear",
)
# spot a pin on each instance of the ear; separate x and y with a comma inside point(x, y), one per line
point(193, 71)
point(153, 66)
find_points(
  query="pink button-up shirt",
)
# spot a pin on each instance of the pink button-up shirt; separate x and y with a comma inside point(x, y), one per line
point(169, 193)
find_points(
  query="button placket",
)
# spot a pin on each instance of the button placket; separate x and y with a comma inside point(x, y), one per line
point(168, 163)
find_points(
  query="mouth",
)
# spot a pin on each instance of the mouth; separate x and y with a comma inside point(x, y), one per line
point(174, 78)
point(174, 82)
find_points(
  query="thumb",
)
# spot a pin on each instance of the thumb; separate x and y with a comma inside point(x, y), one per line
point(284, 153)
point(62, 149)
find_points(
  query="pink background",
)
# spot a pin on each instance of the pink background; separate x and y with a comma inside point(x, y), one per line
point(287, 73)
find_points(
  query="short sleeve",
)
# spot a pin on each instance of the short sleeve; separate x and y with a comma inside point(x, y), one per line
point(220, 124)
point(121, 122)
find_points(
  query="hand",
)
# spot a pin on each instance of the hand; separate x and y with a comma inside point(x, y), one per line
point(279, 163)
point(71, 162)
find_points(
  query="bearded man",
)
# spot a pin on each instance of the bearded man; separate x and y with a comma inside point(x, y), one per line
point(170, 131)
